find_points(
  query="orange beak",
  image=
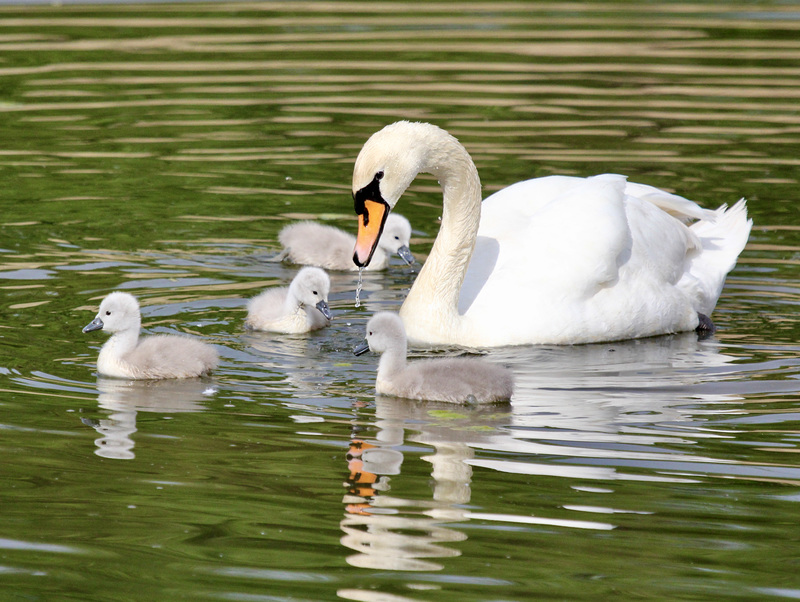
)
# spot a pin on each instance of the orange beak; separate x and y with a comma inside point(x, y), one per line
point(370, 226)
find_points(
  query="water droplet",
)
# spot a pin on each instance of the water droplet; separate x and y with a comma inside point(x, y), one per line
point(359, 286)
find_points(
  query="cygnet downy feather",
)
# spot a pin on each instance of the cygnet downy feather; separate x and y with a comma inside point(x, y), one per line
point(124, 355)
point(300, 307)
point(312, 243)
point(455, 379)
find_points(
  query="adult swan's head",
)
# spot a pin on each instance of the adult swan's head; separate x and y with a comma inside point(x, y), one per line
point(386, 166)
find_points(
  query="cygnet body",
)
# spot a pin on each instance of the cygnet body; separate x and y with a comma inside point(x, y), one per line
point(312, 243)
point(456, 380)
point(300, 307)
point(124, 355)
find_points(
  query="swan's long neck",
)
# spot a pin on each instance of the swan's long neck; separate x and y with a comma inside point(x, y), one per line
point(393, 361)
point(121, 343)
point(292, 303)
point(446, 266)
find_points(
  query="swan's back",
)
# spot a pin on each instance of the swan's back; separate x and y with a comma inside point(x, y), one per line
point(171, 356)
point(266, 307)
point(268, 312)
point(455, 380)
point(595, 259)
point(295, 308)
point(310, 243)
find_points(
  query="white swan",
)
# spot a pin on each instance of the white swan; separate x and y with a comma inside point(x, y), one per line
point(300, 307)
point(453, 379)
point(311, 243)
point(557, 260)
point(154, 357)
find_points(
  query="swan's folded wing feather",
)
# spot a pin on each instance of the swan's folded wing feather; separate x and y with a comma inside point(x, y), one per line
point(525, 198)
point(675, 205)
point(266, 307)
point(567, 249)
point(593, 256)
point(171, 356)
point(310, 243)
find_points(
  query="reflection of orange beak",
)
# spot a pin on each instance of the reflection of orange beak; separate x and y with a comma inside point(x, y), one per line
point(370, 226)
point(359, 509)
point(357, 447)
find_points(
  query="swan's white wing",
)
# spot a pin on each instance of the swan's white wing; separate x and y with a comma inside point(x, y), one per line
point(591, 257)
point(548, 237)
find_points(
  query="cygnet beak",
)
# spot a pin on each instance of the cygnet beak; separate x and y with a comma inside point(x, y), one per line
point(405, 254)
point(361, 349)
point(324, 309)
point(96, 324)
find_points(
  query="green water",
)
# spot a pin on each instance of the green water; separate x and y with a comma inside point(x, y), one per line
point(160, 148)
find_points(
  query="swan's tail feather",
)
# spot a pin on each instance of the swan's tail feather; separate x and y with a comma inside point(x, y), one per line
point(723, 237)
point(677, 206)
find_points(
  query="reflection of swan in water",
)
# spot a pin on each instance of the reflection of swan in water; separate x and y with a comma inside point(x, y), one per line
point(602, 386)
point(639, 404)
point(296, 363)
point(385, 531)
point(391, 533)
point(596, 409)
point(124, 398)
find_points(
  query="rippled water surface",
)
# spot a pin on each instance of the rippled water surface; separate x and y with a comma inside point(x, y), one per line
point(159, 149)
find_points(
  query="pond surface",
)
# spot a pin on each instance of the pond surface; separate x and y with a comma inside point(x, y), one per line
point(159, 149)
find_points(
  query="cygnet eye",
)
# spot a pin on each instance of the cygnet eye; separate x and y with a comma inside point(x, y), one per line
point(314, 292)
point(108, 313)
point(397, 238)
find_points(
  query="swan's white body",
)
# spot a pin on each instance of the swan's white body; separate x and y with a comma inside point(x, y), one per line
point(558, 260)
point(300, 307)
point(311, 243)
point(124, 355)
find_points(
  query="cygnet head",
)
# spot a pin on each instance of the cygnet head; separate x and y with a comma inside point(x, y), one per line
point(118, 312)
point(311, 287)
point(385, 331)
point(396, 237)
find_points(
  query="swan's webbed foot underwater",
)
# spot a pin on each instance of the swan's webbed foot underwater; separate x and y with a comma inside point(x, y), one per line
point(706, 327)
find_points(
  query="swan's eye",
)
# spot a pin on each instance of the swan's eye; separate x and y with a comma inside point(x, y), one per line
point(313, 292)
point(370, 333)
point(108, 313)
point(397, 238)
point(379, 175)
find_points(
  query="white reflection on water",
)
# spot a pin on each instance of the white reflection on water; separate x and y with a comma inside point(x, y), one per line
point(124, 399)
point(592, 387)
point(607, 411)
point(392, 533)
point(633, 410)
